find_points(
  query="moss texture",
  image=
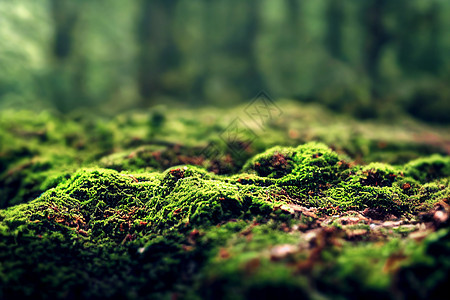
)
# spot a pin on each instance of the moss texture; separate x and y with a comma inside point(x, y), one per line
point(122, 214)
point(36, 150)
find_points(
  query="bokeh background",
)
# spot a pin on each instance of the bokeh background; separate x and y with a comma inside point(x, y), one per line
point(371, 59)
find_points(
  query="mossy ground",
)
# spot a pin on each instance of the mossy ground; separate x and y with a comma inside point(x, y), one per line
point(136, 208)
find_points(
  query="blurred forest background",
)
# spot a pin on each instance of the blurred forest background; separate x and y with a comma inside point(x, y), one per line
point(372, 58)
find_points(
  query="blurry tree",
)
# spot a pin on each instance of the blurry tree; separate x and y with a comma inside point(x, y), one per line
point(418, 39)
point(243, 47)
point(376, 37)
point(68, 72)
point(335, 18)
point(65, 14)
point(422, 42)
point(158, 53)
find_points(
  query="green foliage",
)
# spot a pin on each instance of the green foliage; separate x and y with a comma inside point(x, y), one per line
point(342, 54)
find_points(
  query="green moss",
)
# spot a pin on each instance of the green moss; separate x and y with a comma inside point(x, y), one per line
point(107, 204)
point(120, 210)
point(274, 163)
point(428, 264)
point(302, 172)
point(242, 262)
point(162, 137)
point(278, 162)
point(273, 263)
point(428, 168)
point(37, 147)
point(315, 176)
point(101, 215)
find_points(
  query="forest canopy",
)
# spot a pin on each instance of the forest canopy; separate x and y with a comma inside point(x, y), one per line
point(368, 58)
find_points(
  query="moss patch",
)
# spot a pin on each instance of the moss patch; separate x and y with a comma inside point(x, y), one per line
point(139, 207)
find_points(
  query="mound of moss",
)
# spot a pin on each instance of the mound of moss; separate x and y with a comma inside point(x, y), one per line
point(295, 221)
point(37, 150)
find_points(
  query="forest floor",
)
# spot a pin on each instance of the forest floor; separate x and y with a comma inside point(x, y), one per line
point(262, 201)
